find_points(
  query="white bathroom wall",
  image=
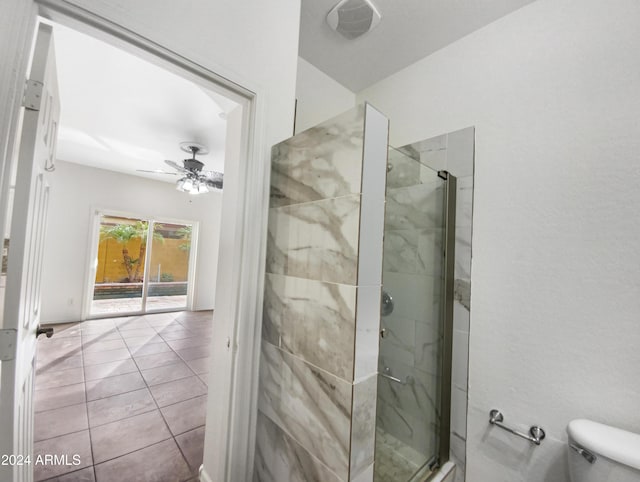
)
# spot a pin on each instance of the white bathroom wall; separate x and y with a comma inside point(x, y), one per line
point(552, 90)
point(319, 97)
point(76, 192)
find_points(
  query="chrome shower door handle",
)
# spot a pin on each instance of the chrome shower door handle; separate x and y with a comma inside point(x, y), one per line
point(386, 304)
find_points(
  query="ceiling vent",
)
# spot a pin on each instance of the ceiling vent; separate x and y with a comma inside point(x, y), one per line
point(353, 18)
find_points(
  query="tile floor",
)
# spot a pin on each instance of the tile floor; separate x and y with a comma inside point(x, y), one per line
point(127, 395)
point(396, 461)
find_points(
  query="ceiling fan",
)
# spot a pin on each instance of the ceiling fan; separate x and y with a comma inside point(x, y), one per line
point(194, 180)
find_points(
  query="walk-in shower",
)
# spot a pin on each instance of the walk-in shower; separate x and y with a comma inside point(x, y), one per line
point(356, 355)
point(412, 422)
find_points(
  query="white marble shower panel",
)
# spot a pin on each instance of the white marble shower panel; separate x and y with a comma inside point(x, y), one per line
point(418, 431)
point(398, 344)
point(404, 170)
point(463, 253)
point(458, 456)
point(320, 163)
point(432, 144)
point(363, 425)
point(461, 317)
point(279, 457)
point(367, 332)
point(401, 251)
point(464, 201)
point(460, 368)
point(312, 320)
point(415, 297)
point(428, 347)
point(415, 207)
point(413, 251)
point(372, 199)
point(460, 152)
point(430, 251)
point(417, 397)
point(311, 405)
point(317, 240)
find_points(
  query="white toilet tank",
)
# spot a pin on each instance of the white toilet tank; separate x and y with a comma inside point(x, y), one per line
point(616, 452)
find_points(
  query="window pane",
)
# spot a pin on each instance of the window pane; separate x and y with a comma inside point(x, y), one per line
point(169, 266)
point(120, 266)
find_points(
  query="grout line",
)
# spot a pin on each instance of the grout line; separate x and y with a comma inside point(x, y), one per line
point(56, 478)
point(147, 388)
point(132, 452)
point(86, 406)
point(173, 437)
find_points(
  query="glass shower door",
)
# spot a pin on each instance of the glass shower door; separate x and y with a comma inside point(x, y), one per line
point(412, 344)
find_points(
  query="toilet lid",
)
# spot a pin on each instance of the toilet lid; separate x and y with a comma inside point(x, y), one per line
point(610, 442)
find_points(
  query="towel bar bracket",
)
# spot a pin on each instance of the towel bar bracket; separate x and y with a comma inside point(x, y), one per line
point(536, 434)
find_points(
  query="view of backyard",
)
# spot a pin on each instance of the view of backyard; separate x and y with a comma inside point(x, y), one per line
point(122, 283)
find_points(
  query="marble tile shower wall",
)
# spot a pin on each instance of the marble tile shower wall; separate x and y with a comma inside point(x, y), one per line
point(454, 152)
point(316, 420)
point(412, 275)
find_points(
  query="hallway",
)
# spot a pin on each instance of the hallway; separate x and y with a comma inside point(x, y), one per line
point(127, 395)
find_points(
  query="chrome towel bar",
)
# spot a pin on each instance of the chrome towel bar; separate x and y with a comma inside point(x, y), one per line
point(536, 434)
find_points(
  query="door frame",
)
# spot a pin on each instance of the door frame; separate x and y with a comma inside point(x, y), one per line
point(232, 406)
point(90, 269)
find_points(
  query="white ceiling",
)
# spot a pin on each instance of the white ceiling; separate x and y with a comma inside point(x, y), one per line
point(122, 113)
point(409, 30)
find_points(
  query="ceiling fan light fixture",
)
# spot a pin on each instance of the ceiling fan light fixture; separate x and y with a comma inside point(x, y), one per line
point(195, 180)
point(202, 188)
point(185, 184)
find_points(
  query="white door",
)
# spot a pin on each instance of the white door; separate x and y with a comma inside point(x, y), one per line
point(21, 313)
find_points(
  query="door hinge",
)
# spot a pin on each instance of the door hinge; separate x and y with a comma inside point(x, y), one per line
point(32, 95)
point(8, 341)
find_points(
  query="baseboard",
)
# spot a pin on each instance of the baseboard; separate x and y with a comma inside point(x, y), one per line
point(204, 477)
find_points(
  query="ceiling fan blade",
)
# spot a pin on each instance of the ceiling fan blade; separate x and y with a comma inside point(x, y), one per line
point(176, 166)
point(215, 183)
point(157, 172)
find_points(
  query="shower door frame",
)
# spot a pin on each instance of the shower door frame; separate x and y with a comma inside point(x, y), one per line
point(450, 187)
point(441, 455)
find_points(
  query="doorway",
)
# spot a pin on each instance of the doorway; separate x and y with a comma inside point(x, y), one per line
point(243, 220)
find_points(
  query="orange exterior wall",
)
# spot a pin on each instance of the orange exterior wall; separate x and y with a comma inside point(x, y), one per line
point(167, 253)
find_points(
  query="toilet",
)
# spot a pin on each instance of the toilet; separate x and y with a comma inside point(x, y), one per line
point(600, 453)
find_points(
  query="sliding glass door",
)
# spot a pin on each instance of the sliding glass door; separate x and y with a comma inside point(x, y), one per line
point(142, 265)
point(168, 279)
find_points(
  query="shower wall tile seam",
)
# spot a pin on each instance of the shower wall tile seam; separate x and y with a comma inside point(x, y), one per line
point(285, 431)
point(306, 362)
point(311, 279)
point(284, 251)
point(319, 200)
point(334, 450)
point(329, 321)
